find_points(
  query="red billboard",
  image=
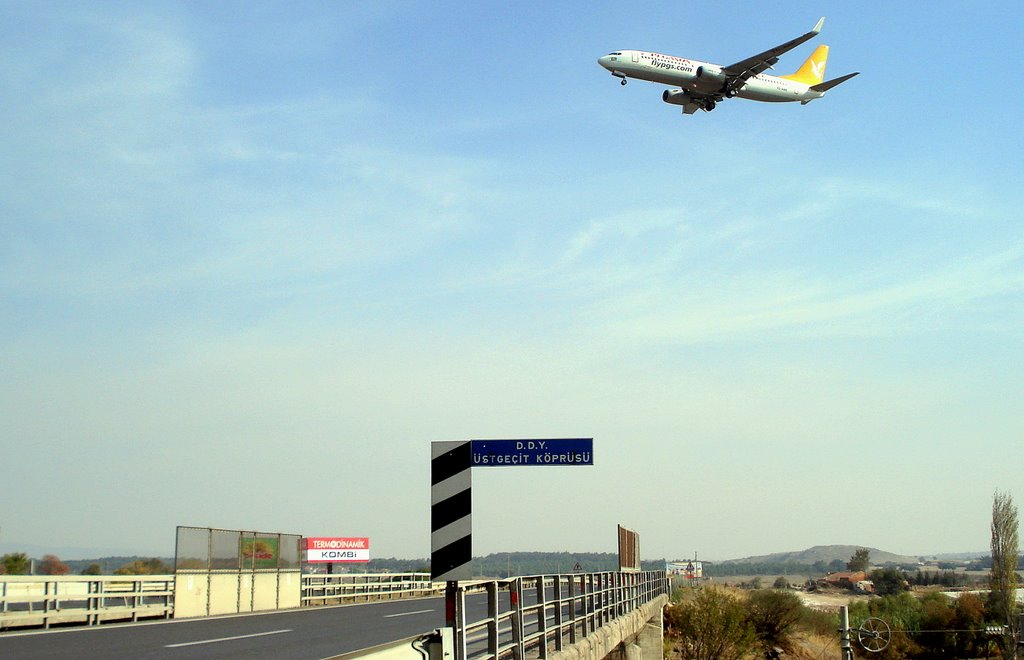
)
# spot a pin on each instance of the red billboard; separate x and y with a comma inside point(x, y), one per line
point(337, 549)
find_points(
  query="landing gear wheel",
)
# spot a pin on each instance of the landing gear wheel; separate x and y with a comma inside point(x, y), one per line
point(709, 106)
point(623, 82)
point(874, 635)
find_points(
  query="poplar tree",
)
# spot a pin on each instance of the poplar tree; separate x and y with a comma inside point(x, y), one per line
point(1003, 578)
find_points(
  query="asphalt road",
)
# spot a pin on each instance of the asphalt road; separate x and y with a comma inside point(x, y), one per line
point(314, 633)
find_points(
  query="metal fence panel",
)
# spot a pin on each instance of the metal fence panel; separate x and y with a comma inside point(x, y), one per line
point(224, 550)
point(192, 549)
point(229, 571)
point(544, 614)
point(211, 549)
point(290, 554)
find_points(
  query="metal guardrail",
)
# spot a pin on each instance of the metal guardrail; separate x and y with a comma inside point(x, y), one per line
point(562, 610)
point(42, 600)
point(535, 613)
point(325, 589)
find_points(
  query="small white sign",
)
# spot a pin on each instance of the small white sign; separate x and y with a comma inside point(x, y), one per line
point(337, 555)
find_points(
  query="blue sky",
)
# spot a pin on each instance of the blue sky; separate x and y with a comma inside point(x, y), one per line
point(255, 257)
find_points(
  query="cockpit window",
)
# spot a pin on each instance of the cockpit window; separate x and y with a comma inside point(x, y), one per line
point(615, 53)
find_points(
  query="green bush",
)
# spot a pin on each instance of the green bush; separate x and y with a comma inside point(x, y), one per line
point(936, 637)
point(774, 616)
point(889, 581)
point(902, 612)
point(15, 563)
point(711, 625)
point(969, 615)
point(152, 566)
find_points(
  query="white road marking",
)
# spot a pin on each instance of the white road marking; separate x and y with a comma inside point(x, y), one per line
point(391, 616)
point(226, 639)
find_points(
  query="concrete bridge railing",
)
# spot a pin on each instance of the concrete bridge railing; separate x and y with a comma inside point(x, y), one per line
point(42, 600)
point(563, 617)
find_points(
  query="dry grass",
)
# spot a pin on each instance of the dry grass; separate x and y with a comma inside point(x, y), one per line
point(812, 646)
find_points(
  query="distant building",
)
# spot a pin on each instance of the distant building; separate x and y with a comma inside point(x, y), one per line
point(691, 570)
point(846, 579)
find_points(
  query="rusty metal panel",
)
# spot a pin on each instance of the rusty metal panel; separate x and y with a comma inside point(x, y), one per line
point(629, 550)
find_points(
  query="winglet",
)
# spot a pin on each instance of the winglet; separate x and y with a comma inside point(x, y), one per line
point(817, 28)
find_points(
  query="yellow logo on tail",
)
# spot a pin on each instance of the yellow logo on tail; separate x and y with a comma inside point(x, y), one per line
point(812, 71)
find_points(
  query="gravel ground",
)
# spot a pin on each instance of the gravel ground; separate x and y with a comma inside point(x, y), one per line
point(828, 601)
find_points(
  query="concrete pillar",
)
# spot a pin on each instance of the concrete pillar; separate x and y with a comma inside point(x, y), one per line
point(651, 639)
point(634, 652)
point(618, 652)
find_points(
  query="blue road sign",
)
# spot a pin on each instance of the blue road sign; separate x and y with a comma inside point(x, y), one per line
point(549, 451)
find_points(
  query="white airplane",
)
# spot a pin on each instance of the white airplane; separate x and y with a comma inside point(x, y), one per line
point(700, 85)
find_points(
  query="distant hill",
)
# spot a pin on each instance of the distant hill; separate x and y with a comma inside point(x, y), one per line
point(826, 554)
point(67, 552)
point(110, 564)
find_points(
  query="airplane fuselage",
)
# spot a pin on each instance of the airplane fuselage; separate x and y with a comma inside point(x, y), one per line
point(701, 85)
point(702, 77)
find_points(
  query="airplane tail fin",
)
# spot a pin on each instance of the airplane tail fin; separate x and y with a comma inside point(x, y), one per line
point(812, 72)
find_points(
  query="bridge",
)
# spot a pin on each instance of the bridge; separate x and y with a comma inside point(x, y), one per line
point(242, 594)
point(586, 616)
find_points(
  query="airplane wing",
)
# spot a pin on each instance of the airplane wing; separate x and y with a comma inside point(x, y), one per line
point(741, 71)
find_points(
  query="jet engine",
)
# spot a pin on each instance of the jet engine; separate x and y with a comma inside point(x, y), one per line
point(710, 76)
point(676, 97)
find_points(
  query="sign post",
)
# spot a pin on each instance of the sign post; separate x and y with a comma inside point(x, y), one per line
point(451, 504)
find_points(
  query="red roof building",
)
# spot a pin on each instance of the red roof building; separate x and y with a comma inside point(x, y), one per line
point(848, 579)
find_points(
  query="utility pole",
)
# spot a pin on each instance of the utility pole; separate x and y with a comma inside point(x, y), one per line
point(845, 647)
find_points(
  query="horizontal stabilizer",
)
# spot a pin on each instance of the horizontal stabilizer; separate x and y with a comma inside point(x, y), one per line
point(829, 84)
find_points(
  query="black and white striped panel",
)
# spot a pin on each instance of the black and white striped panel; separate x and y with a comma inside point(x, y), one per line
point(451, 508)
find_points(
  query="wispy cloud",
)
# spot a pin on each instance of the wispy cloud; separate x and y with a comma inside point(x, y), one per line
point(759, 306)
point(122, 179)
point(724, 272)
